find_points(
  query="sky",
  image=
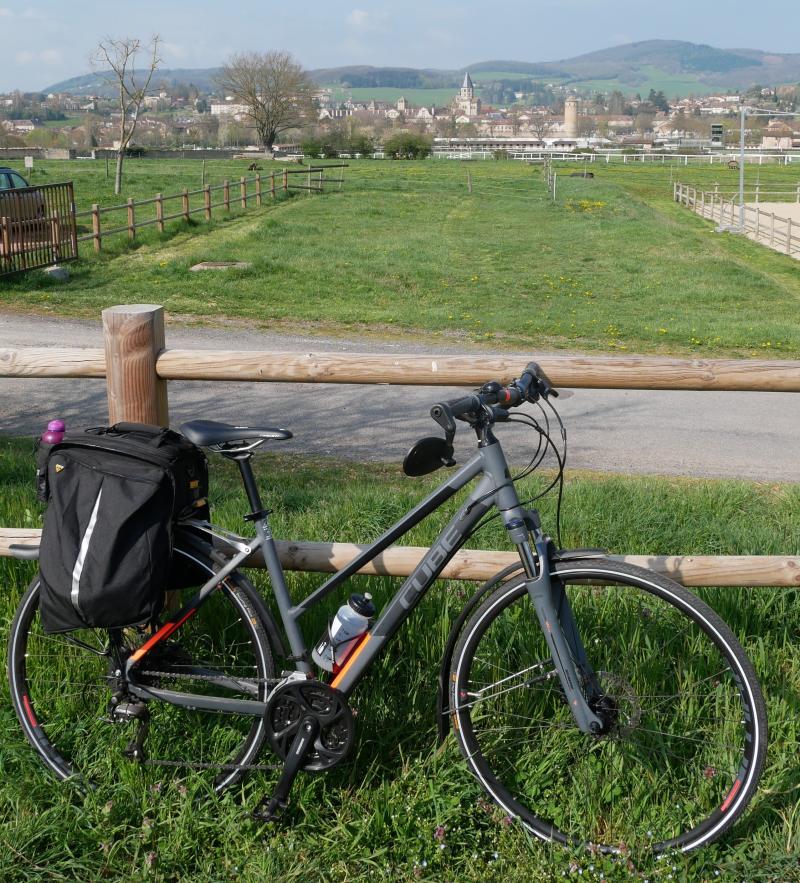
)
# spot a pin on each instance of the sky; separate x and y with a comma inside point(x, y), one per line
point(45, 41)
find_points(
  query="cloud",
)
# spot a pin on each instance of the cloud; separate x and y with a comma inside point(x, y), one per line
point(175, 50)
point(361, 20)
point(5, 13)
point(46, 56)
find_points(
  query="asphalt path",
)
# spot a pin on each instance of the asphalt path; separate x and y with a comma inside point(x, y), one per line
point(715, 434)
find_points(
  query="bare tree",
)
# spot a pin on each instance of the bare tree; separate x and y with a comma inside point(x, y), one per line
point(274, 89)
point(541, 126)
point(120, 56)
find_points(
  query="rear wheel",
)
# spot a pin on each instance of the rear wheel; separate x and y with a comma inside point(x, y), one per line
point(62, 687)
point(686, 727)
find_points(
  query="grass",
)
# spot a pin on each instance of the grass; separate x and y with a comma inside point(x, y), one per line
point(381, 815)
point(405, 250)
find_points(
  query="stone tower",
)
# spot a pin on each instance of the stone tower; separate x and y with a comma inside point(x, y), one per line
point(571, 117)
point(465, 101)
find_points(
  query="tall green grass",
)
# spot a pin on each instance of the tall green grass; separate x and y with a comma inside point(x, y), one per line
point(382, 814)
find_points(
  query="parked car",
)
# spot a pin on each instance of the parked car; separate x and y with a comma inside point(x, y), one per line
point(18, 200)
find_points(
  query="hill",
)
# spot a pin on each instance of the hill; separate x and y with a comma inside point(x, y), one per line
point(675, 66)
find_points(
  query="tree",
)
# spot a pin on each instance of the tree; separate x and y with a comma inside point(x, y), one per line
point(120, 55)
point(274, 89)
point(541, 127)
point(407, 145)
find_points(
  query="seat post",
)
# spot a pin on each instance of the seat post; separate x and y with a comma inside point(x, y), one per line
point(249, 480)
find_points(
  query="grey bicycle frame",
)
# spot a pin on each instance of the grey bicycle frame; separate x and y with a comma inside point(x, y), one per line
point(494, 489)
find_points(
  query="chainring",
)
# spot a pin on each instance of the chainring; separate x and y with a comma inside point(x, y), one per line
point(291, 702)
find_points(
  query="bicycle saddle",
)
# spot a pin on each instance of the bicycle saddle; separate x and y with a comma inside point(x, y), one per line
point(208, 432)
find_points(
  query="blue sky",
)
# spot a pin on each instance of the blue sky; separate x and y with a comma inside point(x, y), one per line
point(45, 41)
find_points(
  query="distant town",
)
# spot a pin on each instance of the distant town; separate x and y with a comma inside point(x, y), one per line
point(184, 117)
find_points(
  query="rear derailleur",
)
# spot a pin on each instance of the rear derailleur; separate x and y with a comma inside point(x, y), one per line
point(310, 727)
point(124, 709)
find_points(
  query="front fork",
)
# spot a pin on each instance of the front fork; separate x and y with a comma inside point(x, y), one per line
point(559, 628)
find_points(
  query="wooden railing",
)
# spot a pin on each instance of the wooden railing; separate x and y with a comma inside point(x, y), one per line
point(37, 227)
point(137, 366)
point(242, 193)
point(766, 227)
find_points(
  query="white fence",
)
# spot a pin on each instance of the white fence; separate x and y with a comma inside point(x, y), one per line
point(766, 227)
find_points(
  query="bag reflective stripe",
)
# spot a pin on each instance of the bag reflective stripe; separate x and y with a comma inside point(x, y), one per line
point(78, 569)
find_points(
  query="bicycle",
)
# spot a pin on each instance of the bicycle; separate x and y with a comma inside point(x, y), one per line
point(598, 703)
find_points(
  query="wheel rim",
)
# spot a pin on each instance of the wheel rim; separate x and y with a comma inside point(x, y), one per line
point(61, 692)
point(679, 758)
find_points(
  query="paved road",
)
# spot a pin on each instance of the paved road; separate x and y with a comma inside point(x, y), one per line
point(737, 435)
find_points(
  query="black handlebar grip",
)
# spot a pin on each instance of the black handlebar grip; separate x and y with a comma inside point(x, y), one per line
point(544, 383)
point(464, 405)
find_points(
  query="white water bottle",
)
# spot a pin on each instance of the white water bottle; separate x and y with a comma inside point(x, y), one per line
point(351, 621)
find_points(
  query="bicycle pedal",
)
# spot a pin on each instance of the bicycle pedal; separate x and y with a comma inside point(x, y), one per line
point(271, 812)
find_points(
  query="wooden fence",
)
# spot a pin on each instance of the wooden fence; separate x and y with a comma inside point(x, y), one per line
point(37, 227)
point(766, 227)
point(137, 366)
point(127, 217)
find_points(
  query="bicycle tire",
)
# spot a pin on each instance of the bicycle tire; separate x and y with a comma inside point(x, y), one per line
point(687, 747)
point(60, 689)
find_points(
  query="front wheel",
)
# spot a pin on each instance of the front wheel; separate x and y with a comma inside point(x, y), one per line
point(686, 736)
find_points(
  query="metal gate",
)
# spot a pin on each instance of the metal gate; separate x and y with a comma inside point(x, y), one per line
point(37, 227)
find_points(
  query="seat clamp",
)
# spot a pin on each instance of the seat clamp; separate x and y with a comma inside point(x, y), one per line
point(257, 516)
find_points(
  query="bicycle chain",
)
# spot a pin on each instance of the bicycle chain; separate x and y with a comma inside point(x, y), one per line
point(200, 765)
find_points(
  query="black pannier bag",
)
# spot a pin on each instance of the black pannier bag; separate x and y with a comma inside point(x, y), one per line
point(114, 494)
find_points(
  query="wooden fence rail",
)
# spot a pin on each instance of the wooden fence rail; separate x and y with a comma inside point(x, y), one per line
point(766, 227)
point(137, 366)
point(179, 205)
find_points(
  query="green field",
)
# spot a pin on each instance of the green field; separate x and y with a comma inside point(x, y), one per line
point(404, 250)
point(377, 816)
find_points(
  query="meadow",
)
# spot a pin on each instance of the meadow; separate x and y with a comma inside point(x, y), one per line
point(405, 250)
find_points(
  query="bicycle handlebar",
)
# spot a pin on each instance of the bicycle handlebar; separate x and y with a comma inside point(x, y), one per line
point(532, 384)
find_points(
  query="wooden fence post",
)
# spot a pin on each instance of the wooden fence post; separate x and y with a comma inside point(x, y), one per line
point(134, 336)
point(96, 227)
point(131, 219)
point(258, 189)
point(285, 180)
point(272, 185)
point(243, 190)
point(789, 236)
point(308, 182)
point(186, 213)
point(226, 194)
point(160, 212)
point(772, 229)
point(207, 201)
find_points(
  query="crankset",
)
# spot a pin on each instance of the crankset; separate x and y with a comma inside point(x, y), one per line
point(295, 700)
point(310, 727)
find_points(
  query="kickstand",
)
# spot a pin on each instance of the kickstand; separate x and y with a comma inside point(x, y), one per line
point(270, 807)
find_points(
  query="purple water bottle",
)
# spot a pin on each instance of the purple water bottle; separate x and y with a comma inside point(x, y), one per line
point(51, 436)
point(54, 432)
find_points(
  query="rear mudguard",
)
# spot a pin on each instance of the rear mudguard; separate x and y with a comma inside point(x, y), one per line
point(442, 691)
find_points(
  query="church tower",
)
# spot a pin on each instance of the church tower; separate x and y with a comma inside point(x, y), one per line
point(466, 102)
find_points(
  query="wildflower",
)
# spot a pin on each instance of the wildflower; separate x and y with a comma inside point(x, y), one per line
point(438, 834)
